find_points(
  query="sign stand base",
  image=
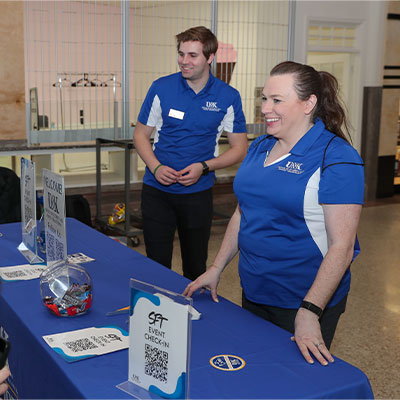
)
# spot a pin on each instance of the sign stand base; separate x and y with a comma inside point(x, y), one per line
point(29, 255)
point(136, 391)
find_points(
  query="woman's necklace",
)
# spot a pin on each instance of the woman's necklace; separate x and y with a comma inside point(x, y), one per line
point(268, 153)
point(266, 159)
point(274, 155)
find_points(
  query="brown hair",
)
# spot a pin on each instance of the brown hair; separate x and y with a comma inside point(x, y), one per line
point(325, 87)
point(199, 34)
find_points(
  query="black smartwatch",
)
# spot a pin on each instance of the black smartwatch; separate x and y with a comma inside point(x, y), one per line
point(206, 168)
point(311, 307)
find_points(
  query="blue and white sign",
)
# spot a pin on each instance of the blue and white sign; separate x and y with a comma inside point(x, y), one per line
point(54, 216)
point(29, 245)
point(159, 342)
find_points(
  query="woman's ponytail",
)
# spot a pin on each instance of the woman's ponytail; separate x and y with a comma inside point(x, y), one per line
point(330, 108)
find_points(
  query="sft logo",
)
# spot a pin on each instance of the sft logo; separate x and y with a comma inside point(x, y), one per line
point(156, 317)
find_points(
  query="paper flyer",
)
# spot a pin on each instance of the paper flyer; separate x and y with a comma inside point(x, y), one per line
point(26, 272)
point(89, 342)
point(79, 258)
point(23, 272)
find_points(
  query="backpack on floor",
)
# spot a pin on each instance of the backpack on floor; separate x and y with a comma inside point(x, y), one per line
point(77, 206)
point(10, 196)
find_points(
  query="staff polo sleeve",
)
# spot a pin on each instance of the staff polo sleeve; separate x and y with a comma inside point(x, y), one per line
point(150, 112)
point(342, 175)
point(235, 121)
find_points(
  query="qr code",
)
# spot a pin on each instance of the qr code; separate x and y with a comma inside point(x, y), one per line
point(156, 363)
point(14, 274)
point(50, 247)
point(55, 248)
point(36, 270)
point(79, 345)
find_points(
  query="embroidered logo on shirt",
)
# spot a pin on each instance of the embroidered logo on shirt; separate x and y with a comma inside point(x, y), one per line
point(292, 167)
point(211, 106)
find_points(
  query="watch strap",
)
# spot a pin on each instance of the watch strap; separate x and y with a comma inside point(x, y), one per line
point(311, 307)
point(206, 168)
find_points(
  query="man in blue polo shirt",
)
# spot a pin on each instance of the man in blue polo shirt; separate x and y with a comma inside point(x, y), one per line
point(189, 111)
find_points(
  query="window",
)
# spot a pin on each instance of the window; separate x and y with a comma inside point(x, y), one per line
point(335, 37)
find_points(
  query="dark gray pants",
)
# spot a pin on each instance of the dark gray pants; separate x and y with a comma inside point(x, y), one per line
point(163, 213)
point(284, 317)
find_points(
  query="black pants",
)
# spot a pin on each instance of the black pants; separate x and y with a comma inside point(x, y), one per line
point(191, 214)
point(284, 317)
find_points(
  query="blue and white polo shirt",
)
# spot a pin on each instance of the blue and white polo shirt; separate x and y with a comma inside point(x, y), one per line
point(189, 125)
point(282, 237)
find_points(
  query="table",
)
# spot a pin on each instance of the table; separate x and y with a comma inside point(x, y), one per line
point(274, 366)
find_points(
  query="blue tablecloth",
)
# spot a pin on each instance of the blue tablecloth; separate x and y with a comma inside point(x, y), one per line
point(274, 366)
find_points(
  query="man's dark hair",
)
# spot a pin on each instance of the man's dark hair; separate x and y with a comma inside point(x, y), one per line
point(199, 34)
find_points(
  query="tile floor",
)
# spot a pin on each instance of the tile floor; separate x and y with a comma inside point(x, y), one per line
point(368, 335)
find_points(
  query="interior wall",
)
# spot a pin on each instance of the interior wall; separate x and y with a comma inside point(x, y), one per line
point(391, 96)
point(261, 42)
point(12, 83)
point(370, 17)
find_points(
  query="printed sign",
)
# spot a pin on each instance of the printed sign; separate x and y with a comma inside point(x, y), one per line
point(90, 342)
point(29, 247)
point(54, 216)
point(158, 347)
point(227, 362)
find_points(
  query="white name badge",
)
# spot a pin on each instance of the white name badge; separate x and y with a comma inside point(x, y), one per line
point(176, 114)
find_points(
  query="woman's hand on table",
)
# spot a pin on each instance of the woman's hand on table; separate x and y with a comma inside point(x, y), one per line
point(209, 280)
point(308, 336)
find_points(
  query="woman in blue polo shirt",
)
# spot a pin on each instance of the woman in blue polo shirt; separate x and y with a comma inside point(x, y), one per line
point(300, 192)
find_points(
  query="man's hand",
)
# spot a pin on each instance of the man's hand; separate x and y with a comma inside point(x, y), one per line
point(191, 174)
point(166, 175)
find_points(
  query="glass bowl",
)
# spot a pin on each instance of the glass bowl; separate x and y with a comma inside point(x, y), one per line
point(66, 289)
